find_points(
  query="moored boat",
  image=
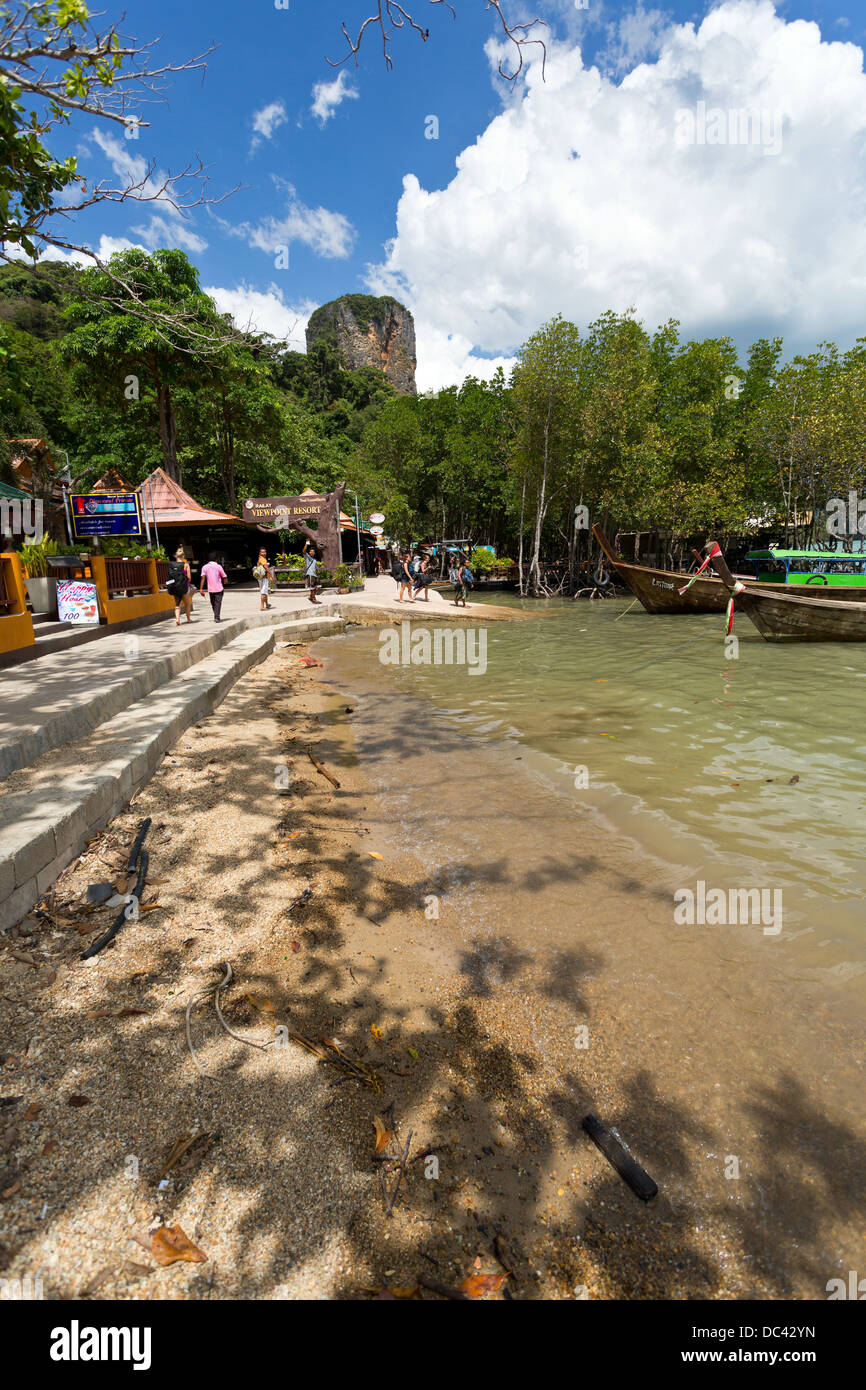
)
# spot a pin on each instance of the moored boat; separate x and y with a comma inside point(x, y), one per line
point(833, 578)
point(785, 616)
point(660, 590)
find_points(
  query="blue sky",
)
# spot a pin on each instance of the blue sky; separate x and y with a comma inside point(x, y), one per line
point(572, 195)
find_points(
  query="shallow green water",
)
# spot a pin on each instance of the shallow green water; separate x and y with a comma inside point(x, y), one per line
point(691, 754)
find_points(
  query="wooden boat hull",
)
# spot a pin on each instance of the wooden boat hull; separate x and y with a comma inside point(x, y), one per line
point(785, 617)
point(659, 590)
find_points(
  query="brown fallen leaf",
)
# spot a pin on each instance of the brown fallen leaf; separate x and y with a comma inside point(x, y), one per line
point(169, 1244)
point(78, 1100)
point(794, 779)
point(49, 1147)
point(128, 1013)
point(31, 1112)
point(376, 1031)
point(374, 855)
point(99, 1013)
point(10, 1191)
point(295, 947)
point(135, 1269)
point(264, 1006)
point(477, 1285)
point(383, 1134)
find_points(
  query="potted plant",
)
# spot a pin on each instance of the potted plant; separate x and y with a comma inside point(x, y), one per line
point(289, 570)
point(41, 590)
point(342, 578)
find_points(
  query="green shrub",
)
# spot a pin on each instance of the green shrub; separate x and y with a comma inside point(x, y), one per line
point(342, 577)
point(35, 557)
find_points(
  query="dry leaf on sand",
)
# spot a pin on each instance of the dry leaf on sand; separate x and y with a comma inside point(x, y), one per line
point(169, 1244)
point(477, 1285)
point(383, 1134)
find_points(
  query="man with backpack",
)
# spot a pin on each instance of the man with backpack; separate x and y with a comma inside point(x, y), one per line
point(179, 585)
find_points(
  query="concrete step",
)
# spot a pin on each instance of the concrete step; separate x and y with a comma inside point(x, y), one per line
point(52, 701)
point(51, 808)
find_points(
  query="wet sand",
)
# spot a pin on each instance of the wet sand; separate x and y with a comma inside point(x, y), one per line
point(709, 1053)
point(501, 962)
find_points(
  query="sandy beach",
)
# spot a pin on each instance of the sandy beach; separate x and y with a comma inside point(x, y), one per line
point(486, 968)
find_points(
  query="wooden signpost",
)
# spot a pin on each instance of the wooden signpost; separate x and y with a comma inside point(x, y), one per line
point(296, 513)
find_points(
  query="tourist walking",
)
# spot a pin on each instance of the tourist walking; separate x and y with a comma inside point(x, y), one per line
point(179, 585)
point(455, 577)
point(214, 576)
point(263, 573)
point(311, 570)
point(422, 578)
point(397, 570)
point(406, 581)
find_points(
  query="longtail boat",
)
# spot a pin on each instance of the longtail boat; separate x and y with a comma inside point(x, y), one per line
point(781, 616)
point(659, 590)
point(827, 574)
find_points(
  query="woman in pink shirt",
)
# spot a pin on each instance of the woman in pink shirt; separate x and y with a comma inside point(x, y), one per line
point(214, 576)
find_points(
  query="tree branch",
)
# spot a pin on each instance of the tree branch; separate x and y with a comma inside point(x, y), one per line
point(390, 16)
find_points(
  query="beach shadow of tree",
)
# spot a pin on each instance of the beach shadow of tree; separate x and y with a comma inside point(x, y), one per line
point(295, 1171)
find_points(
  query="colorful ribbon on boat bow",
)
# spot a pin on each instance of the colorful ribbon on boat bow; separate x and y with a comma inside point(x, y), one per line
point(729, 616)
point(716, 550)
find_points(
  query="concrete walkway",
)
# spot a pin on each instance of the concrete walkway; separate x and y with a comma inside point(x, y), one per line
point(63, 695)
point(82, 729)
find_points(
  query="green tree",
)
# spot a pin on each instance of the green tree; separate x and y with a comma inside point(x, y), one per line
point(145, 361)
point(547, 403)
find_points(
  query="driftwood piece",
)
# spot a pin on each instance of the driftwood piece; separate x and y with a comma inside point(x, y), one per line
point(323, 770)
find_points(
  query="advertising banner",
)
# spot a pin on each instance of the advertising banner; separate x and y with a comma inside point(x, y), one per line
point(105, 514)
point(77, 602)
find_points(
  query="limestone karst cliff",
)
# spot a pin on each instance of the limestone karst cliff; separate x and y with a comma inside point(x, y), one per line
point(369, 332)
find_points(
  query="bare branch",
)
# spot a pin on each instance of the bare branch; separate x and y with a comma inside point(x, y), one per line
point(389, 15)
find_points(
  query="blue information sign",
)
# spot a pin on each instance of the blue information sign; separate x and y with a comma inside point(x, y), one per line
point(105, 514)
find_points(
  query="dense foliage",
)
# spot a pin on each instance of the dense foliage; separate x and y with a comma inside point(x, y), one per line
point(643, 431)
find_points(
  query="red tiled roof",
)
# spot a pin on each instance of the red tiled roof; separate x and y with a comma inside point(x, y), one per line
point(175, 506)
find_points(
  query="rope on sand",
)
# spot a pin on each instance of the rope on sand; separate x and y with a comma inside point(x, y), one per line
point(203, 994)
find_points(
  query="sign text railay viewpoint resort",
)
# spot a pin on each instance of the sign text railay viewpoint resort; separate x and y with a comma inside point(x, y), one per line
point(281, 511)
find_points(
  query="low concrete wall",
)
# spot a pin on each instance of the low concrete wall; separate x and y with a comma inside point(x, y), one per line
point(16, 625)
point(124, 610)
point(44, 827)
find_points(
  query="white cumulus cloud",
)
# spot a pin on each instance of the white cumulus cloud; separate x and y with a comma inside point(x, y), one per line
point(327, 233)
point(583, 195)
point(266, 121)
point(327, 96)
point(255, 311)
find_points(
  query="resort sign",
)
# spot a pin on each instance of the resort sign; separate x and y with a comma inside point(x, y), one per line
point(282, 512)
point(105, 514)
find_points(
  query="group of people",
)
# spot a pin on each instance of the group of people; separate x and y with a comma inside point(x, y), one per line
point(213, 578)
point(412, 575)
